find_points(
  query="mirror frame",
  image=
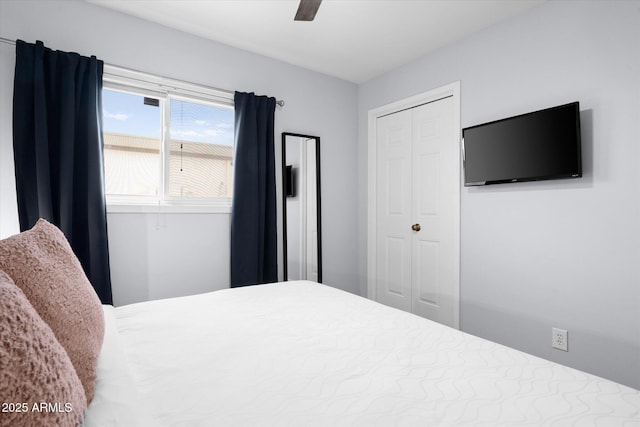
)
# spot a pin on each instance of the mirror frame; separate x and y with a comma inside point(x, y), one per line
point(284, 202)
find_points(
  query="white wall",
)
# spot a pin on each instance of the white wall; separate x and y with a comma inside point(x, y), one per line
point(189, 253)
point(555, 253)
point(8, 207)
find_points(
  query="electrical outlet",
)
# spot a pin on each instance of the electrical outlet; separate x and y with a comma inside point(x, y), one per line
point(559, 339)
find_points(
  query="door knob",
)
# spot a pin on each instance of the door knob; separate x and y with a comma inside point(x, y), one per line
point(415, 227)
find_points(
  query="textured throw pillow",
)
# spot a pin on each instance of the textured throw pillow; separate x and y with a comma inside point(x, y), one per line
point(38, 384)
point(42, 264)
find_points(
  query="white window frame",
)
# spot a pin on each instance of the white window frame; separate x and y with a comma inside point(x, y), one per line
point(143, 84)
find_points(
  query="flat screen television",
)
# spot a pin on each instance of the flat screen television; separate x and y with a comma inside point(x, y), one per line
point(289, 182)
point(535, 146)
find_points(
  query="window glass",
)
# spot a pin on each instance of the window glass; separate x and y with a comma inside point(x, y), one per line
point(200, 150)
point(132, 144)
point(163, 147)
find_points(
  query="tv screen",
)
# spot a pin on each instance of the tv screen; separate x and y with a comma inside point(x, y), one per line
point(540, 145)
point(289, 182)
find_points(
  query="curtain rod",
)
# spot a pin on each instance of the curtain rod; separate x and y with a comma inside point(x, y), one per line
point(280, 102)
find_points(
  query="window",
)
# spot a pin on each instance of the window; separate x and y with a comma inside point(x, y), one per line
point(200, 150)
point(132, 145)
point(166, 143)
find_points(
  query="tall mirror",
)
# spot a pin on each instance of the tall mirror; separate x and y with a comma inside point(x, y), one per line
point(301, 207)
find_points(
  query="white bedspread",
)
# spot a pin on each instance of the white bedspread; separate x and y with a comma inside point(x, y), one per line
point(303, 354)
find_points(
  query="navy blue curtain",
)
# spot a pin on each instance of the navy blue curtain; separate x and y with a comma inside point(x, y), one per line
point(57, 145)
point(253, 214)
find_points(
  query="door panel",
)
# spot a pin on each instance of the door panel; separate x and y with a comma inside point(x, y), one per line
point(393, 210)
point(396, 178)
point(396, 253)
point(435, 153)
point(427, 281)
point(428, 183)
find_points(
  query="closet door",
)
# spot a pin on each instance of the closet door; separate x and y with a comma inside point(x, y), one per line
point(435, 170)
point(393, 210)
point(417, 210)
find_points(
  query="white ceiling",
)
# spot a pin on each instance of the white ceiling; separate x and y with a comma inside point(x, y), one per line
point(354, 40)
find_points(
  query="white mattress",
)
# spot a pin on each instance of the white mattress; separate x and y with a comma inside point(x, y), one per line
point(304, 354)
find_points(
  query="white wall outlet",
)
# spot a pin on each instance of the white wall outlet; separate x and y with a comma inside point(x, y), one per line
point(559, 339)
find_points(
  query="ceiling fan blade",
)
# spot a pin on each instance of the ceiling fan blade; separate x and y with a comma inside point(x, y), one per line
point(307, 10)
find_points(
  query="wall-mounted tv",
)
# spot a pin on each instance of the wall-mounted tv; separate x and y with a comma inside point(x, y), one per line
point(535, 146)
point(289, 181)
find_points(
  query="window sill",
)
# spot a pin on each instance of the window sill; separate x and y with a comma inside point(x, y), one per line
point(122, 208)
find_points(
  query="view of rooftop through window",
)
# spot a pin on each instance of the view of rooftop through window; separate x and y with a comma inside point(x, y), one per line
point(199, 147)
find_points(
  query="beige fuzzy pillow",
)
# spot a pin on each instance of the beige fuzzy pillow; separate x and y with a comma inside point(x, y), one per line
point(40, 261)
point(38, 384)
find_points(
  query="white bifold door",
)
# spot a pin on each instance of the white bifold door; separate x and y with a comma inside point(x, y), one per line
point(417, 211)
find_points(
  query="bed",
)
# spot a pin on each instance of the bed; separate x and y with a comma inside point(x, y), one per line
point(306, 354)
point(294, 353)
